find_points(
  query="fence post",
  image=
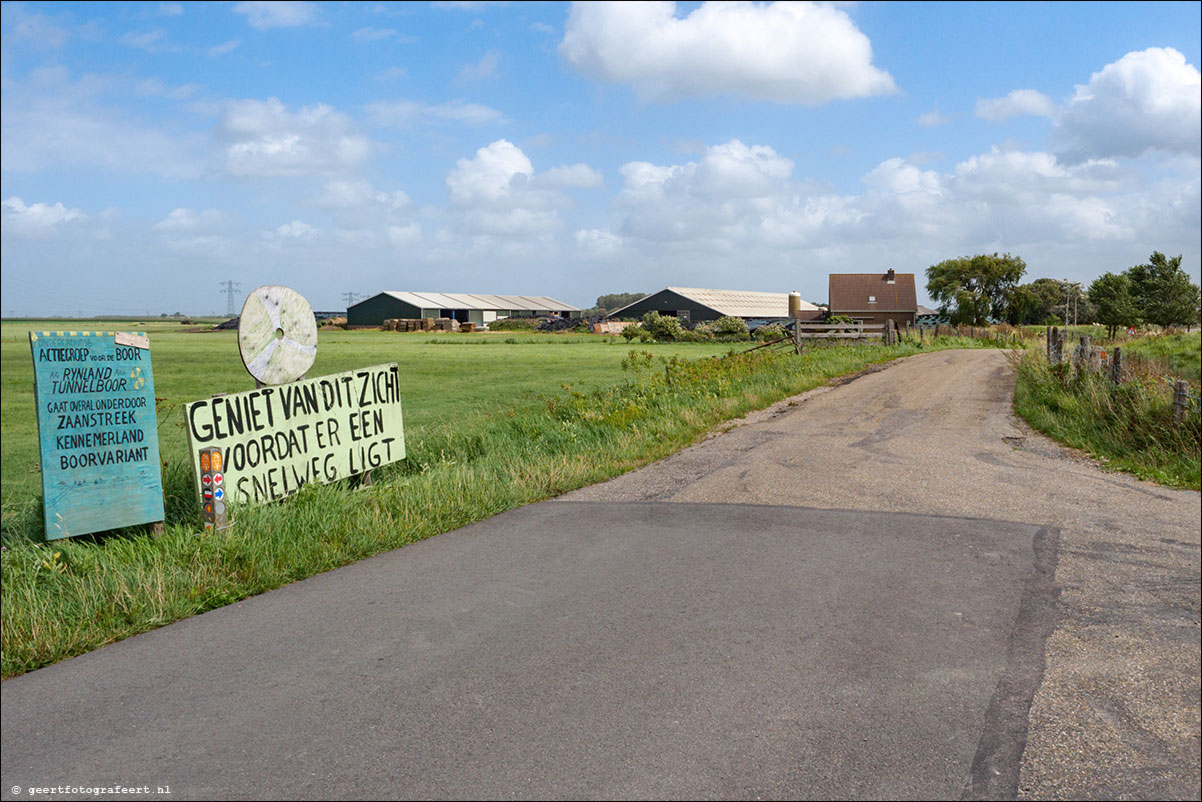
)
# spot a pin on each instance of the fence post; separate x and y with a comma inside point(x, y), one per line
point(1116, 365)
point(1180, 400)
point(1054, 346)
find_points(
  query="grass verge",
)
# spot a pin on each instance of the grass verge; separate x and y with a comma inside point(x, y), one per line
point(64, 599)
point(1128, 427)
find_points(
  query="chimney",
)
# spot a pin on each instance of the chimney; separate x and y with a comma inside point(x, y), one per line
point(890, 278)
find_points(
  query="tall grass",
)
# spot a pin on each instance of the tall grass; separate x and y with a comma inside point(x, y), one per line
point(64, 599)
point(1128, 426)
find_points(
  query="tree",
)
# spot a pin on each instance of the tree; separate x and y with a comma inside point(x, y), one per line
point(616, 300)
point(1036, 302)
point(972, 289)
point(1113, 296)
point(1163, 292)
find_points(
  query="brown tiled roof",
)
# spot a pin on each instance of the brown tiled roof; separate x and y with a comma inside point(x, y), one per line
point(849, 293)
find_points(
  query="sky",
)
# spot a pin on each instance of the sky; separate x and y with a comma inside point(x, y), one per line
point(150, 152)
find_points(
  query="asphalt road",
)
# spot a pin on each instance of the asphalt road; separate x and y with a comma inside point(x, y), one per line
point(579, 650)
point(1117, 713)
point(831, 600)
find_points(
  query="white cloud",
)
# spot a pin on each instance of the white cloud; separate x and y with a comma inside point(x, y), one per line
point(153, 41)
point(52, 121)
point(784, 52)
point(573, 175)
point(182, 219)
point(170, 9)
point(37, 219)
point(740, 205)
point(277, 13)
point(1150, 100)
point(369, 34)
point(359, 195)
point(405, 113)
point(497, 192)
point(1019, 103)
point(484, 68)
point(267, 140)
point(37, 29)
point(593, 243)
point(405, 235)
point(933, 119)
point(223, 48)
point(295, 230)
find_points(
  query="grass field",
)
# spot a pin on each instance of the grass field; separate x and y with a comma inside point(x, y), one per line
point(448, 379)
point(1129, 427)
point(492, 422)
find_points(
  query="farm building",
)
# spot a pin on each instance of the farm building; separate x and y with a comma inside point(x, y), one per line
point(874, 297)
point(464, 307)
point(689, 303)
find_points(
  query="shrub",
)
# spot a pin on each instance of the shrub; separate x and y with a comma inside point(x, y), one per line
point(773, 331)
point(632, 332)
point(728, 326)
point(662, 327)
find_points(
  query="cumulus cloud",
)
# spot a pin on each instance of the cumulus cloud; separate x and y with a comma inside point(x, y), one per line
point(1019, 103)
point(267, 140)
point(573, 175)
point(295, 230)
point(740, 204)
point(277, 13)
point(36, 219)
point(803, 53)
point(406, 113)
point(1148, 100)
point(497, 191)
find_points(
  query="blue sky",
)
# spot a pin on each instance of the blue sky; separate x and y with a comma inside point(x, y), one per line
point(153, 150)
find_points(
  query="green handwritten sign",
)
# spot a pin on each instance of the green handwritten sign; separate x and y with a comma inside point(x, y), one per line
point(274, 440)
point(97, 431)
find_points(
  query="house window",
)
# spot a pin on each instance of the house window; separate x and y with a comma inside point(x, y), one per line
point(871, 299)
point(683, 314)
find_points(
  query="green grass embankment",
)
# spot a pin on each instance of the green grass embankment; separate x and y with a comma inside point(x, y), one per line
point(1129, 426)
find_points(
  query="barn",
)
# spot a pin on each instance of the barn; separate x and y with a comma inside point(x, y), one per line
point(688, 303)
point(465, 307)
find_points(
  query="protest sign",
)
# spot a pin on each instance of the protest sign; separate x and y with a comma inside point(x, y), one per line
point(272, 441)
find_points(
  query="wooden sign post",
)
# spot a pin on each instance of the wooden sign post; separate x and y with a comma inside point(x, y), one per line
point(97, 431)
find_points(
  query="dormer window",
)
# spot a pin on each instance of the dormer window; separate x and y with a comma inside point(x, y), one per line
point(871, 299)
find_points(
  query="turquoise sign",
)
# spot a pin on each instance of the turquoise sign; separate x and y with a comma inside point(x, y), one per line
point(97, 431)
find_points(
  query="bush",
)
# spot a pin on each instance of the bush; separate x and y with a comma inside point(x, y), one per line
point(662, 328)
point(773, 331)
point(730, 327)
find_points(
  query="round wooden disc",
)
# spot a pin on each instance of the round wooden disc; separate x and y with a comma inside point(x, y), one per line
point(277, 334)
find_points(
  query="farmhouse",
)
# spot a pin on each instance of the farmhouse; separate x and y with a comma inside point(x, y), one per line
point(689, 303)
point(463, 307)
point(874, 297)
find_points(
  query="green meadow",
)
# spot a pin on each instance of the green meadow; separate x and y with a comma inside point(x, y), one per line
point(447, 379)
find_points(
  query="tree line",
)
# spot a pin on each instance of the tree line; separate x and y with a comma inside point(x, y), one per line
point(977, 290)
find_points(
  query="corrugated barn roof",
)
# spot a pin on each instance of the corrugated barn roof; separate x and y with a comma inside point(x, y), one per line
point(458, 300)
point(743, 303)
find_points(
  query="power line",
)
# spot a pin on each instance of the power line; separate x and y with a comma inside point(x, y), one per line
point(351, 297)
point(229, 291)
